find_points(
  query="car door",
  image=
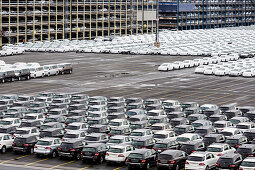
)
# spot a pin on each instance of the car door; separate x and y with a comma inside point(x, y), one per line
point(209, 161)
point(7, 141)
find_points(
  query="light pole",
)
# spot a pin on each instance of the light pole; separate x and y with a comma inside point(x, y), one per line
point(157, 43)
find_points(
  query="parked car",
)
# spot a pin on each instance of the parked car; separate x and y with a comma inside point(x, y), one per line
point(25, 143)
point(94, 152)
point(71, 148)
point(47, 146)
point(193, 146)
point(229, 161)
point(201, 160)
point(246, 150)
point(6, 141)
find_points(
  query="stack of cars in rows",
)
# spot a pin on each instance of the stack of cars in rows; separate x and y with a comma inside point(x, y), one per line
point(241, 67)
point(173, 43)
point(197, 62)
point(11, 50)
point(140, 133)
point(25, 71)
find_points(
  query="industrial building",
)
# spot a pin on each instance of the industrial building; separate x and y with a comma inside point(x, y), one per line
point(206, 14)
point(38, 20)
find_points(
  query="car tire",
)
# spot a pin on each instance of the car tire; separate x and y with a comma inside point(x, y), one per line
point(3, 149)
point(28, 77)
point(148, 166)
point(42, 75)
point(19, 78)
point(12, 79)
point(207, 168)
point(62, 72)
point(177, 167)
point(54, 154)
point(3, 81)
point(70, 72)
point(48, 74)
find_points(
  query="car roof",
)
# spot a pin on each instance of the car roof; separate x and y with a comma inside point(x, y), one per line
point(247, 146)
point(187, 135)
point(140, 130)
point(26, 135)
point(250, 159)
point(120, 146)
point(165, 141)
point(199, 154)
point(230, 155)
point(162, 132)
point(218, 145)
point(236, 137)
point(96, 134)
point(172, 152)
point(48, 138)
point(192, 142)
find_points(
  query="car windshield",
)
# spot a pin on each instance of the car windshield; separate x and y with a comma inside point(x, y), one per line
point(2, 122)
point(210, 139)
point(244, 150)
point(156, 128)
point(137, 134)
point(57, 101)
point(32, 69)
point(129, 113)
point(182, 139)
point(72, 127)
point(204, 108)
point(89, 149)
point(93, 109)
point(160, 136)
point(115, 123)
point(248, 164)
point(115, 132)
point(93, 115)
point(225, 160)
point(197, 124)
point(115, 141)
point(91, 138)
point(188, 147)
point(213, 149)
point(22, 99)
point(164, 65)
point(242, 126)
point(44, 127)
point(134, 119)
point(30, 117)
point(70, 120)
point(71, 136)
point(116, 150)
point(195, 158)
point(34, 105)
point(135, 126)
point(201, 131)
point(232, 141)
point(167, 104)
point(138, 142)
point(227, 133)
point(234, 121)
point(44, 143)
point(10, 116)
point(11, 110)
point(193, 118)
point(217, 125)
point(135, 155)
point(152, 114)
point(177, 129)
point(22, 132)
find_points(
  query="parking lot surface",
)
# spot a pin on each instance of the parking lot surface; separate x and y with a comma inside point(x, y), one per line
point(121, 75)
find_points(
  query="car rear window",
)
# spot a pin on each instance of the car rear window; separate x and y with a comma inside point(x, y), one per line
point(116, 150)
point(188, 147)
point(195, 158)
point(227, 133)
point(44, 143)
point(225, 160)
point(248, 164)
point(138, 142)
point(165, 156)
point(22, 132)
point(71, 136)
point(160, 145)
point(232, 141)
point(160, 136)
point(136, 134)
point(89, 149)
point(136, 155)
point(20, 140)
point(91, 138)
point(244, 150)
point(72, 127)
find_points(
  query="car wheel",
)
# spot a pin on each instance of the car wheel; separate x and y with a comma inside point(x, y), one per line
point(48, 74)
point(3, 149)
point(148, 166)
point(42, 75)
point(28, 77)
point(3, 81)
point(207, 168)
point(54, 154)
point(31, 150)
point(177, 167)
point(101, 160)
point(12, 53)
point(19, 78)
point(70, 72)
point(12, 79)
point(62, 72)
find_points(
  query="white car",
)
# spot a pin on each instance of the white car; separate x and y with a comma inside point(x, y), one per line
point(6, 141)
point(208, 107)
point(26, 130)
point(188, 63)
point(188, 137)
point(10, 121)
point(235, 72)
point(215, 59)
point(77, 126)
point(75, 134)
point(6, 51)
point(209, 71)
point(119, 122)
point(138, 133)
point(36, 72)
point(198, 62)
point(219, 149)
point(17, 50)
point(165, 67)
point(230, 131)
point(221, 71)
point(50, 70)
point(248, 164)
point(201, 161)
point(178, 65)
point(221, 124)
point(248, 73)
point(118, 153)
point(119, 139)
point(171, 103)
point(200, 69)
point(35, 116)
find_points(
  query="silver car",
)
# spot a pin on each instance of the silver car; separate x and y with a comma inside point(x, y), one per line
point(47, 146)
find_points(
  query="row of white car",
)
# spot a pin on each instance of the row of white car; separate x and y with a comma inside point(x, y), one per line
point(241, 67)
point(240, 40)
point(25, 71)
point(197, 62)
point(7, 51)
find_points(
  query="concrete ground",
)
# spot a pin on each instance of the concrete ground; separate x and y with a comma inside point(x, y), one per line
point(121, 75)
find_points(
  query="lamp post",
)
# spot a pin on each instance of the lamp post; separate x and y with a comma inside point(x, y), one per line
point(157, 43)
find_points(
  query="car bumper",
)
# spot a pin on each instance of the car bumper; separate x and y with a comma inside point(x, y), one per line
point(93, 158)
point(65, 154)
point(135, 165)
point(113, 159)
point(41, 152)
point(19, 149)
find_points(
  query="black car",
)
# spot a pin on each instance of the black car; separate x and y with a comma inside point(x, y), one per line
point(71, 148)
point(250, 134)
point(214, 138)
point(184, 129)
point(236, 140)
point(24, 74)
point(144, 142)
point(233, 113)
point(7, 76)
point(247, 150)
point(166, 144)
point(94, 152)
point(25, 143)
point(142, 158)
point(192, 146)
point(172, 159)
point(229, 161)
